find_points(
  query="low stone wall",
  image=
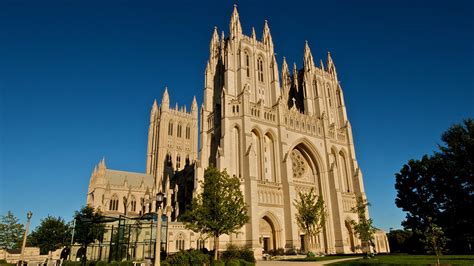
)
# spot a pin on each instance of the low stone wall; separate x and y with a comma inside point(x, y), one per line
point(32, 256)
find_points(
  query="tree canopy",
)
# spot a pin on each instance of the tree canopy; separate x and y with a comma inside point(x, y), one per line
point(441, 187)
point(219, 209)
point(89, 226)
point(363, 228)
point(51, 234)
point(11, 232)
point(311, 216)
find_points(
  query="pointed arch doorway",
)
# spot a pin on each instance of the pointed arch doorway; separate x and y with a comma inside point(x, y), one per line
point(269, 234)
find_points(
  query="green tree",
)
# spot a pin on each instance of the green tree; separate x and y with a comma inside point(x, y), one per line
point(89, 227)
point(434, 239)
point(441, 186)
point(219, 209)
point(402, 241)
point(363, 228)
point(311, 216)
point(11, 232)
point(51, 234)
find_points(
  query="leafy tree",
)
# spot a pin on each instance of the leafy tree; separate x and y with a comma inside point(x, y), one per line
point(402, 241)
point(219, 209)
point(11, 232)
point(441, 187)
point(51, 234)
point(434, 239)
point(363, 228)
point(89, 227)
point(311, 216)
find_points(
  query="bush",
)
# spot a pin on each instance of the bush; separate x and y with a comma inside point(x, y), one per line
point(247, 255)
point(197, 257)
point(180, 258)
point(71, 263)
point(290, 252)
point(114, 263)
point(5, 263)
point(217, 263)
point(246, 263)
point(125, 263)
point(310, 255)
point(233, 262)
point(232, 252)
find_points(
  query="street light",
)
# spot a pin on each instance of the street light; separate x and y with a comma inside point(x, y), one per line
point(28, 215)
point(159, 201)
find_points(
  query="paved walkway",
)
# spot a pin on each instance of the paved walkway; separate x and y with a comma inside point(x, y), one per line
point(300, 263)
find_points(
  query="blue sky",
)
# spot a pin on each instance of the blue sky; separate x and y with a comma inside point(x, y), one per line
point(78, 78)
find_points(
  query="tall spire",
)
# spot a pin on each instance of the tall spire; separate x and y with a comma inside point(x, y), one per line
point(194, 105)
point(253, 36)
point(308, 57)
point(165, 100)
point(235, 27)
point(331, 66)
point(214, 46)
point(295, 75)
point(154, 111)
point(266, 36)
point(285, 73)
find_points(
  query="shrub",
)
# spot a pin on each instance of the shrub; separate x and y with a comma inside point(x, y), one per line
point(114, 263)
point(232, 252)
point(246, 263)
point(101, 263)
point(5, 263)
point(197, 257)
point(280, 252)
point(233, 262)
point(71, 263)
point(247, 255)
point(217, 263)
point(125, 263)
point(180, 258)
point(310, 255)
point(290, 252)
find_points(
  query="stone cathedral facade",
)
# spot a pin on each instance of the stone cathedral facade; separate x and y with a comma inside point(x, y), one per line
point(280, 131)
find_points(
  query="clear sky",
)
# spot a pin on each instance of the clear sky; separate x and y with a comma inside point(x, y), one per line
point(78, 78)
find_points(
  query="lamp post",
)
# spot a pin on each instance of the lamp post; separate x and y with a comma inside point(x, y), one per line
point(159, 201)
point(28, 215)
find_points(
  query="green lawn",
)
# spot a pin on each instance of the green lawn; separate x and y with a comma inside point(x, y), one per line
point(329, 257)
point(397, 259)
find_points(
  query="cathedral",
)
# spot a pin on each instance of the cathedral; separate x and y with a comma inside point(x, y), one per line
point(280, 131)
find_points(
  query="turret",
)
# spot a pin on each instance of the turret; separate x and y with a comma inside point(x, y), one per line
point(235, 29)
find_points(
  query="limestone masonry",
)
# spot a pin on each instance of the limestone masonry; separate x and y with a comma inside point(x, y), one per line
point(278, 136)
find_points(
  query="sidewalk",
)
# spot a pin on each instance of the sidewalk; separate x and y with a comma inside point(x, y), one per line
point(299, 263)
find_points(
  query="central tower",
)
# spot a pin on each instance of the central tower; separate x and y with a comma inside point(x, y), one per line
point(279, 139)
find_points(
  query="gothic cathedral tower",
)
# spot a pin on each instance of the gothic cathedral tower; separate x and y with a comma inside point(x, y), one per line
point(279, 138)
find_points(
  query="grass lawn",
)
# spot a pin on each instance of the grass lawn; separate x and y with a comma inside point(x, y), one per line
point(329, 257)
point(403, 259)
